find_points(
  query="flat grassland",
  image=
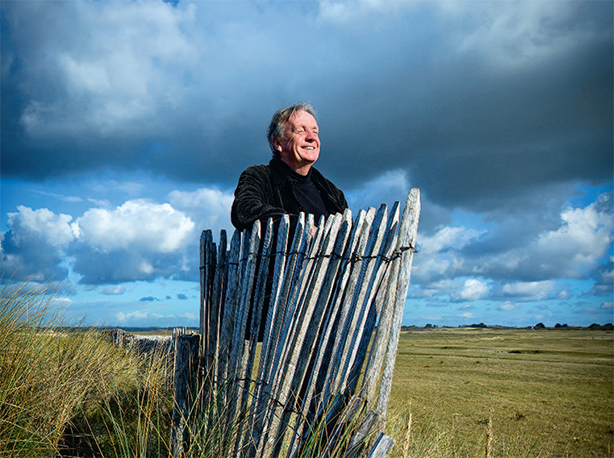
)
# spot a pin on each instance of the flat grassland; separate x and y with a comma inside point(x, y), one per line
point(549, 392)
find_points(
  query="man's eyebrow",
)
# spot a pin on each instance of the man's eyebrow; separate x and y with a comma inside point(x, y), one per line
point(303, 128)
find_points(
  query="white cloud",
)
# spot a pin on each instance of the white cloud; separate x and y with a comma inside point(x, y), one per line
point(136, 226)
point(209, 208)
point(42, 225)
point(343, 11)
point(447, 238)
point(114, 290)
point(535, 290)
point(137, 316)
point(607, 306)
point(33, 246)
point(583, 238)
point(508, 306)
point(189, 316)
point(569, 251)
point(145, 316)
point(473, 290)
point(440, 252)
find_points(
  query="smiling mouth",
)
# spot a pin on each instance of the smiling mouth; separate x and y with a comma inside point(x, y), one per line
point(308, 147)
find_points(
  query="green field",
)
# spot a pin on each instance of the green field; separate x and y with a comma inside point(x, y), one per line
point(550, 391)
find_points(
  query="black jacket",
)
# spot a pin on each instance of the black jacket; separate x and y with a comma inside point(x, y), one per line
point(267, 191)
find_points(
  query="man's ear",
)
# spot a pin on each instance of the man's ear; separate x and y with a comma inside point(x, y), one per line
point(277, 144)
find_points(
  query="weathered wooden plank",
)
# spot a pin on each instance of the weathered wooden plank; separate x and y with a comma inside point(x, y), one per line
point(361, 435)
point(271, 334)
point(406, 241)
point(206, 269)
point(230, 305)
point(382, 447)
point(186, 388)
point(342, 421)
point(213, 324)
point(256, 306)
point(249, 259)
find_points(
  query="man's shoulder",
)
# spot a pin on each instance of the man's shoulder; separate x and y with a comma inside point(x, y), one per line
point(259, 170)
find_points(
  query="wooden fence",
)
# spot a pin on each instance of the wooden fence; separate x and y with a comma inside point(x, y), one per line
point(332, 305)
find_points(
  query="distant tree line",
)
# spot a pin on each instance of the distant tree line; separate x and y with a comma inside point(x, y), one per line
point(540, 325)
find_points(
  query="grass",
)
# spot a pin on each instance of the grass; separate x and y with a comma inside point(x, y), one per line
point(551, 392)
point(541, 393)
point(59, 389)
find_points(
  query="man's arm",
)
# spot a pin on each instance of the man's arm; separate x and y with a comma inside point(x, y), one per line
point(254, 199)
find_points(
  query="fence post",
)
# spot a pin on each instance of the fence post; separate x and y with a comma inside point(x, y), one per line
point(187, 347)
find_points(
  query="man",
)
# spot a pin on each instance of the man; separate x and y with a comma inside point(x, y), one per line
point(289, 184)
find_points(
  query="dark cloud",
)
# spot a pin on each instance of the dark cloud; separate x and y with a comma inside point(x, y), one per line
point(471, 131)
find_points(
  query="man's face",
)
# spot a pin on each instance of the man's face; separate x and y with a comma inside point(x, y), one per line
point(300, 147)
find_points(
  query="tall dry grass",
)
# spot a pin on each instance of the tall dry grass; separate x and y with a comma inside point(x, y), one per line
point(57, 385)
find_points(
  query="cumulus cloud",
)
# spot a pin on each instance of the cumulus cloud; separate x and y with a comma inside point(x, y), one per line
point(387, 188)
point(508, 306)
point(439, 253)
point(570, 251)
point(473, 290)
point(138, 240)
point(114, 290)
point(33, 247)
point(208, 208)
point(535, 290)
point(135, 225)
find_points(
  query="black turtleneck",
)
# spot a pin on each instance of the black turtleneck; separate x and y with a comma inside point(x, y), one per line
point(307, 194)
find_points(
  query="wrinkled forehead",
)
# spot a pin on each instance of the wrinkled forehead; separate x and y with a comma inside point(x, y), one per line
point(302, 119)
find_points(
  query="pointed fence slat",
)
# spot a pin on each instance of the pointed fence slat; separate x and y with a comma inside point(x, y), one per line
point(405, 246)
point(334, 309)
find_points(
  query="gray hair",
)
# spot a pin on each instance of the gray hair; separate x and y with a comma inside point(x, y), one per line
point(278, 122)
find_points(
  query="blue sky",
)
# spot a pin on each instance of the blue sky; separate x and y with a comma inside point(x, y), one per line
point(125, 126)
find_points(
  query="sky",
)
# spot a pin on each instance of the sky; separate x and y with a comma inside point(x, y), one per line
point(126, 124)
